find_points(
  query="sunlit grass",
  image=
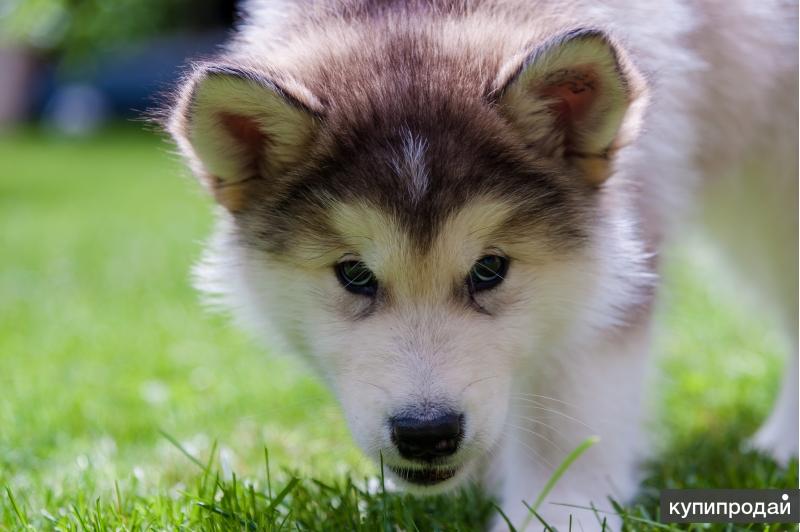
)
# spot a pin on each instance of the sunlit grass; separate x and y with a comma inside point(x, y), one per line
point(103, 343)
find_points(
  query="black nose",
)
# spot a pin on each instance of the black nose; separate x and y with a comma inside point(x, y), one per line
point(427, 438)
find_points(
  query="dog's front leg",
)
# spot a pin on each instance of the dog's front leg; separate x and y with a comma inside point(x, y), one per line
point(561, 401)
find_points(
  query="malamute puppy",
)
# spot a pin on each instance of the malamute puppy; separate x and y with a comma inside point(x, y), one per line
point(453, 210)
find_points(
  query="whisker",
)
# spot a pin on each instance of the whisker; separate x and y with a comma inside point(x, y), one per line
point(476, 381)
point(539, 435)
point(373, 385)
point(540, 422)
point(534, 404)
point(531, 449)
point(539, 396)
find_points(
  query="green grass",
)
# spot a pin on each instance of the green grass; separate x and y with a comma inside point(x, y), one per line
point(104, 345)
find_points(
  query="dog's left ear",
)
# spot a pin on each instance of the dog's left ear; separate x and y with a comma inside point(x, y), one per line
point(241, 129)
point(575, 96)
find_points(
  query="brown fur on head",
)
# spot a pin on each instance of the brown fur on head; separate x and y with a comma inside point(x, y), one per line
point(539, 124)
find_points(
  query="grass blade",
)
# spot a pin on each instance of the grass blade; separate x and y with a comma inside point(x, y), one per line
point(556, 476)
point(642, 520)
point(20, 515)
point(383, 497)
point(505, 518)
point(269, 476)
point(282, 495)
point(180, 447)
point(534, 513)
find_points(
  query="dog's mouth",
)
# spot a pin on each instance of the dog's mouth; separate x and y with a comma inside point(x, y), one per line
point(425, 476)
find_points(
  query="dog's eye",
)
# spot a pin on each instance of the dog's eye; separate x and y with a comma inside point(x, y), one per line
point(356, 277)
point(487, 272)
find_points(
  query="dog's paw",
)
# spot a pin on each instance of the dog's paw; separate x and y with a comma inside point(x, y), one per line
point(778, 437)
point(772, 440)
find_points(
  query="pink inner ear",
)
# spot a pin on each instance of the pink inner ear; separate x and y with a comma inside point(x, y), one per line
point(246, 132)
point(573, 92)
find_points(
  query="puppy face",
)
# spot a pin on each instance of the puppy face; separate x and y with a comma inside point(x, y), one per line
point(415, 248)
point(416, 322)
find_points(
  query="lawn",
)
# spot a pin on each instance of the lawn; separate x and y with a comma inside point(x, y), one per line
point(125, 404)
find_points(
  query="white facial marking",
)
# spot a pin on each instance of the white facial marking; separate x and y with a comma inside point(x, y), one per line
point(410, 164)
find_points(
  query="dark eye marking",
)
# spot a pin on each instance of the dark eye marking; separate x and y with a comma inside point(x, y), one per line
point(487, 272)
point(355, 277)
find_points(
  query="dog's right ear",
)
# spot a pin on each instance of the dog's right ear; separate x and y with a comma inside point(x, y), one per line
point(237, 126)
point(576, 97)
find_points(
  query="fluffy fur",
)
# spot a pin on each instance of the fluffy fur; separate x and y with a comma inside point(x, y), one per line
point(570, 137)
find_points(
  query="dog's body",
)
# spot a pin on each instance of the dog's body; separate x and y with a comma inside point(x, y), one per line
point(454, 210)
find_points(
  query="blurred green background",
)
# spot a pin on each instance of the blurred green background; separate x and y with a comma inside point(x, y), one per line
point(104, 343)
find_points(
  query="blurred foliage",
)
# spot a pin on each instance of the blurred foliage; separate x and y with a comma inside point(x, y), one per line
point(76, 28)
